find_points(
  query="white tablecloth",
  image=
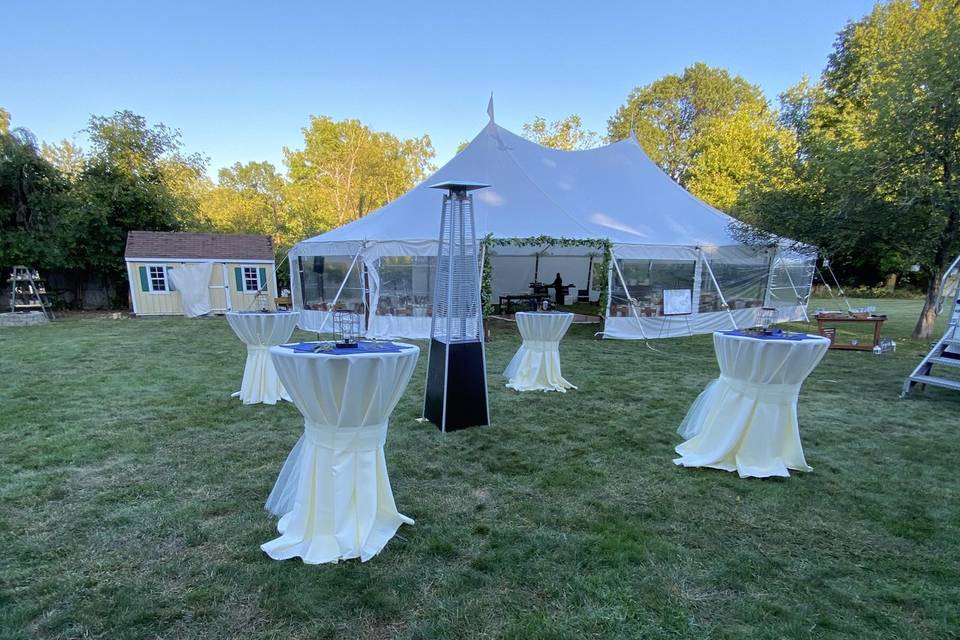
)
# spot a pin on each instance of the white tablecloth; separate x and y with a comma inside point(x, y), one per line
point(333, 492)
point(746, 420)
point(260, 331)
point(536, 365)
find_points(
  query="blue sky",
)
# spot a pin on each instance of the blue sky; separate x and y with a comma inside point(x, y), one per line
point(240, 79)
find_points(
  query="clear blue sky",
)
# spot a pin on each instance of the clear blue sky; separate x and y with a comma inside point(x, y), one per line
point(240, 79)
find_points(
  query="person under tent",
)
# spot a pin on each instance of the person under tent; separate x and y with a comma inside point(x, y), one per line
point(558, 287)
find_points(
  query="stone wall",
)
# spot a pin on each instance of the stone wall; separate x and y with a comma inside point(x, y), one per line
point(22, 319)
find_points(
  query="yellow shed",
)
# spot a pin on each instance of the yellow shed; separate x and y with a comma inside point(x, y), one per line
point(242, 273)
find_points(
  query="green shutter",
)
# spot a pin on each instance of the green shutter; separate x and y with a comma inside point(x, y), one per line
point(170, 286)
point(238, 273)
point(263, 279)
point(144, 283)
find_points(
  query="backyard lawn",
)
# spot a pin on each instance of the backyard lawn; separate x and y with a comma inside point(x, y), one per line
point(132, 490)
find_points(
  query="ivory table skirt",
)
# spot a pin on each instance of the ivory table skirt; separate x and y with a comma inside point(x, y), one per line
point(746, 420)
point(333, 493)
point(260, 331)
point(536, 365)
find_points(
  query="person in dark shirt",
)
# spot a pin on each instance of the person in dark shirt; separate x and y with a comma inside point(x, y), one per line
point(558, 287)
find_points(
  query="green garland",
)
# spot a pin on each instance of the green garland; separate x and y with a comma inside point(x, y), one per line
point(488, 242)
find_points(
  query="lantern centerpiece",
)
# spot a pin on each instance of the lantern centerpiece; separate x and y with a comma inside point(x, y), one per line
point(346, 328)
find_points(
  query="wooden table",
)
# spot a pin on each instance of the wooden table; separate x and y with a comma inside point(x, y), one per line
point(823, 322)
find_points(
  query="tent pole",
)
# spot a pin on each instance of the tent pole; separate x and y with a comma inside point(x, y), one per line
point(768, 295)
point(829, 288)
point(837, 282)
point(723, 300)
point(340, 290)
point(633, 307)
point(589, 276)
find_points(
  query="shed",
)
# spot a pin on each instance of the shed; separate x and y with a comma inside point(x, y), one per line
point(194, 274)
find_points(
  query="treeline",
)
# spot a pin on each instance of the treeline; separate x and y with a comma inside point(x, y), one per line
point(68, 209)
point(862, 163)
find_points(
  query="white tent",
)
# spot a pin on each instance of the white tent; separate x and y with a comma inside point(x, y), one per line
point(672, 265)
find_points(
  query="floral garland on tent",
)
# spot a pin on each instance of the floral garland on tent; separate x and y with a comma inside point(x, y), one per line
point(488, 242)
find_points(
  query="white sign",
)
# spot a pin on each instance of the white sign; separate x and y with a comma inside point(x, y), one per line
point(677, 302)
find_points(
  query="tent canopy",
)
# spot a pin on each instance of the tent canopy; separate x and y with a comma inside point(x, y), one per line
point(666, 245)
point(615, 192)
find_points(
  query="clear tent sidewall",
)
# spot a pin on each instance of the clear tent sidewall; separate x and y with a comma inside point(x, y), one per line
point(721, 287)
point(653, 291)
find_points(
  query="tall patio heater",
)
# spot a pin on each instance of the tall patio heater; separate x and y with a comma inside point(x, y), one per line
point(456, 396)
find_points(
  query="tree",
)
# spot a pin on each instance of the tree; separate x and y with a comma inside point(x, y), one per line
point(346, 170)
point(135, 178)
point(567, 134)
point(67, 157)
point(877, 173)
point(4, 120)
point(249, 198)
point(708, 130)
point(33, 196)
point(733, 152)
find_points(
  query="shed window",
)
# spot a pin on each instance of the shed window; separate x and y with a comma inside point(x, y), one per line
point(251, 279)
point(158, 279)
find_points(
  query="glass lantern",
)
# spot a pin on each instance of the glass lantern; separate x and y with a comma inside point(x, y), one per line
point(766, 318)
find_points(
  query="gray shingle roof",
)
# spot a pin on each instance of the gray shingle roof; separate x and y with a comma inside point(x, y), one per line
point(170, 244)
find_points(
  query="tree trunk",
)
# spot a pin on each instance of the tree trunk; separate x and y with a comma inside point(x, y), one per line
point(928, 315)
point(891, 282)
point(941, 260)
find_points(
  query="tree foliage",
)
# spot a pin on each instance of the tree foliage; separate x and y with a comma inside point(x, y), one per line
point(249, 198)
point(567, 134)
point(135, 177)
point(66, 157)
point(345, 170)
point(706, 129)
point(33, 195)
point(876, 173)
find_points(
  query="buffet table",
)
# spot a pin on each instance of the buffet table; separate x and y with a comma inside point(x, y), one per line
point(746, 420)
point(536, 365)
point(260, 331)
point(333, 493)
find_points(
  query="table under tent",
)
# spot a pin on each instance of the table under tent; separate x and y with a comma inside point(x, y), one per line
point(658, 261)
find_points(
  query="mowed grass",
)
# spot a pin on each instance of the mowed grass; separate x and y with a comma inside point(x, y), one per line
point(132, 485)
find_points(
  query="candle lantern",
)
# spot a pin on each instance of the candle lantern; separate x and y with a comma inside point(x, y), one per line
point(346, 328)
point(766, 317)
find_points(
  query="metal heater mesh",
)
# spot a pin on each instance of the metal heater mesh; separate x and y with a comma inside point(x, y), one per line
point(456, 302)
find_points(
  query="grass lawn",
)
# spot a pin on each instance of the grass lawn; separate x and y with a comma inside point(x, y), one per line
point(132, 490)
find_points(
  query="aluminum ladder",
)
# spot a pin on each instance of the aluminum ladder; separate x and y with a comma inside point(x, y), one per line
point(946, 352)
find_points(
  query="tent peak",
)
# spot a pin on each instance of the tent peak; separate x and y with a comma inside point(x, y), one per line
point(490, 108)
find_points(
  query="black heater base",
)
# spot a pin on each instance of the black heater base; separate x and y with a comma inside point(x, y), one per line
point(461, 365)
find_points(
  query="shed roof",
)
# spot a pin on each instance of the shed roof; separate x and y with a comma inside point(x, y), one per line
point(193, 246)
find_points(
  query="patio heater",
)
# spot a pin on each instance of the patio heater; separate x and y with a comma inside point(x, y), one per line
point(456, 396)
